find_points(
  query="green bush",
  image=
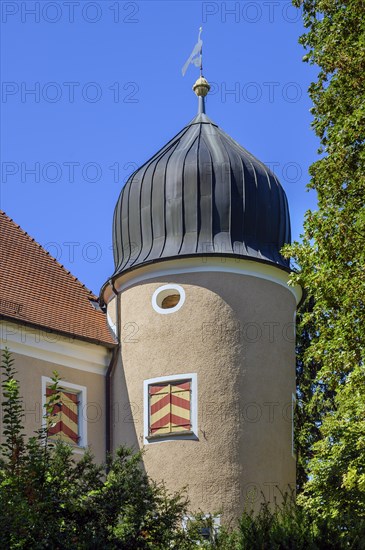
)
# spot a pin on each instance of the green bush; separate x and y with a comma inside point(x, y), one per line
point(49, 500)
point(290, 527)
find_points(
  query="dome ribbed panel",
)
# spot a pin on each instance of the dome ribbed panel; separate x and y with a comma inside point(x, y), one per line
point(235, 169)
point(202, 193)
point(221, 191)
point(175, 182)
point(127, 244)
point(191, 186)
point(134, 226)
point(205, 207)
point(145, 213)
point(117, 241)
point(250, 219)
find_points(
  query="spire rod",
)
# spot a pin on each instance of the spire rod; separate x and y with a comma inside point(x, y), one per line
point(201, 52)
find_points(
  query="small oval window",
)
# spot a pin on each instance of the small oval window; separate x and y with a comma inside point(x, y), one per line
point(168, 298)
point(170, 301)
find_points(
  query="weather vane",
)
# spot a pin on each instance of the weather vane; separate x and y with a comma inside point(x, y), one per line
point(201, 86)
point(196, 56)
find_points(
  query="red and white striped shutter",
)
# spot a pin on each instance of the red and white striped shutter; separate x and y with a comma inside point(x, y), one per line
point(65, 420)
point(169, 407)
point(180, 406)
point(159, 396)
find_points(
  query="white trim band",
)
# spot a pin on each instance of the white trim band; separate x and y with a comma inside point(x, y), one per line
point(203, 265)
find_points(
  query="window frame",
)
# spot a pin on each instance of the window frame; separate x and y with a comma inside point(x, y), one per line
point(166, 289)
point(215, 527)
point(173, 436)
point(82, 421)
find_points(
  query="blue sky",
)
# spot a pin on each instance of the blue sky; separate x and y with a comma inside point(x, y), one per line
point(90, 90)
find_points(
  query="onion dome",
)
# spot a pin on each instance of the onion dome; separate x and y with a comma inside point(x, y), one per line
point(201, 194)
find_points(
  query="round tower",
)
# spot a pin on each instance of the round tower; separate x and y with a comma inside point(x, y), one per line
point(206, 376)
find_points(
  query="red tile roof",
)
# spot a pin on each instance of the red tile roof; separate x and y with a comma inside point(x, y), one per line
point(37, 290)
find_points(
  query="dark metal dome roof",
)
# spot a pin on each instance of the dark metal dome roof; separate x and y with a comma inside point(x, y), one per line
point(202, 193)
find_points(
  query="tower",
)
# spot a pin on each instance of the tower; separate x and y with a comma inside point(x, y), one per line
point(205, 379)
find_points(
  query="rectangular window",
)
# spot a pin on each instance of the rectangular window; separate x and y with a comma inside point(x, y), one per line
point(69, 421)
point(65, 423)
point(209, 526)
point(170, 407)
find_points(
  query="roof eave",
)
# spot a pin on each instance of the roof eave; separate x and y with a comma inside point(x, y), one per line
point(112, 279)
point(110, 345)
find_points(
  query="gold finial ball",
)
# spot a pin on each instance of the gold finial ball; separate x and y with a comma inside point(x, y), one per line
point(201, 87)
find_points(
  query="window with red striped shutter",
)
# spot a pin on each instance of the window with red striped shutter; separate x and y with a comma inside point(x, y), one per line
point(169, 407)
point(65, 421)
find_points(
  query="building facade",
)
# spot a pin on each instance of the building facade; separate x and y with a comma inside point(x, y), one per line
point(189, 353)
point(51, 322)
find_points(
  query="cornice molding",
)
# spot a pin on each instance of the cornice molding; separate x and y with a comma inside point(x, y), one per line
point(204, 264)
point(54, 348)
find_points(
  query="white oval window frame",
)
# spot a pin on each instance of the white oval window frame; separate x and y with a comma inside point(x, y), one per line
point(161, 293)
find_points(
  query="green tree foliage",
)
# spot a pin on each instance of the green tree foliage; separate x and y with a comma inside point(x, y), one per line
point(308, 410)
point(336, 488)
point(286, 527)
point(13, 446)
point(49, 500)
point(332, 268)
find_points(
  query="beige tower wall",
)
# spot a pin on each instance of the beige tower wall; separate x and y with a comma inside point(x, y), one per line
point(236, 332)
